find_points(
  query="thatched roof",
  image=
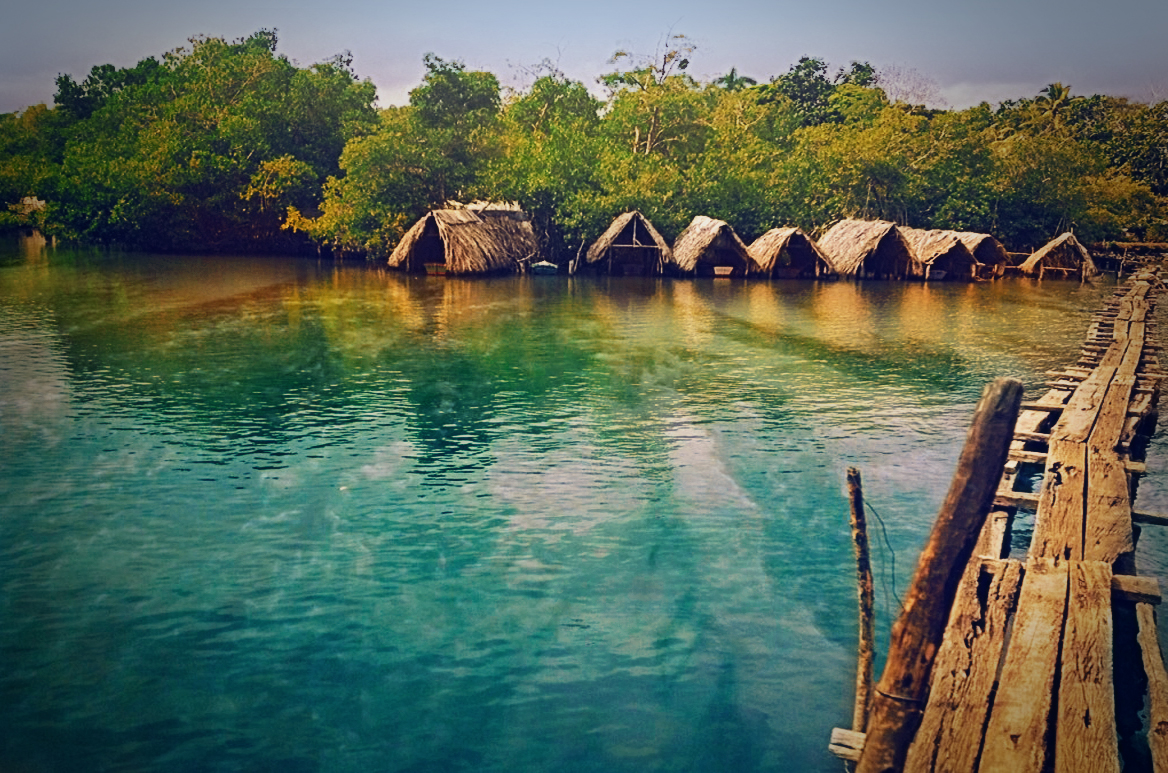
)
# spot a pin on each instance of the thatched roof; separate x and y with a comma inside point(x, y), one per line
point(986, 250)
point(872, 248)
point(1063, 253)
point(941, 251)
point(633, 221)
point(482, 238)
point(707, 242)
point(790, 250)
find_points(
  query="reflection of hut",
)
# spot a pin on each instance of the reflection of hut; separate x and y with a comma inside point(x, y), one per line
point(989, 253)
point(788, 253)
point(709, 247)
point(630, 247)
point(942, 253)
point(477, 239)
point(1063, 256)
point(869, 249)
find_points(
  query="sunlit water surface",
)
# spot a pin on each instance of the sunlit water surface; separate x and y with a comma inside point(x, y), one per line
point(275, 514)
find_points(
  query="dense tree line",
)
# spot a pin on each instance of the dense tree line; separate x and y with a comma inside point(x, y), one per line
point(229, 146)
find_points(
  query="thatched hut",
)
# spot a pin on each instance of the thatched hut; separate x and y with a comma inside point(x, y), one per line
point(992, 258)
point(709, 247)
point(480, 238)
point(1062, 256)
point(869, 249)
point(788, 253)
point(942, 253)
point(630, 246)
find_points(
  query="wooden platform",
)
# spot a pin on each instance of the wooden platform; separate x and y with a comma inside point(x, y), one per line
point(1025, 677)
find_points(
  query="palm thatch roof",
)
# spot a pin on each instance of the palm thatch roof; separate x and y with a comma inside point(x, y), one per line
point(709, 247)
point(987, 251)
point(944, 255)
point(630, 242)
point(788, 252)
point(481, 238)
point(1064, 256)
point(869, 249)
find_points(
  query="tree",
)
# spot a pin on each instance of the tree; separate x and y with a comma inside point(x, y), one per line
point(732, 81)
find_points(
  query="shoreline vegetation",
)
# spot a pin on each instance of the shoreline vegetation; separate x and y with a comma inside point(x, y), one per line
point(228, 146)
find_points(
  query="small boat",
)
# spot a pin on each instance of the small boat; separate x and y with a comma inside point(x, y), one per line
point(436, 269)
point(544, 267)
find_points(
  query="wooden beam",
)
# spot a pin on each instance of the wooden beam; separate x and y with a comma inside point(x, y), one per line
point(917, 633)
point(1157, 687)
point(1136, 588)
point(1086, 731)
point(1015, 738)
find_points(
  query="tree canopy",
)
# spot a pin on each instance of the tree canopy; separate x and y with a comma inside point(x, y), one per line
point(227, 145)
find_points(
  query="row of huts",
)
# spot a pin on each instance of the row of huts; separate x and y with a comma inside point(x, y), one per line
point(485, 238)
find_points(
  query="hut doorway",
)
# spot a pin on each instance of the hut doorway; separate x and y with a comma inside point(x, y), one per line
point(430, 252)
point(633, 253)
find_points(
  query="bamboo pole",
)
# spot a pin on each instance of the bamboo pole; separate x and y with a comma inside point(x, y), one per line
point(900, 695)
point(867, 646)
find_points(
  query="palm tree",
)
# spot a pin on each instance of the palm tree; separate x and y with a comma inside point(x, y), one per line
point(732, 81)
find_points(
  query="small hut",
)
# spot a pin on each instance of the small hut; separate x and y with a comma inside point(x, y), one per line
point(630, 246)
point(1063, 257)
point(869, 249)
point(709, 247)
point(788, 253)
point(992, 258)
point(942, 253)
point(481, 238)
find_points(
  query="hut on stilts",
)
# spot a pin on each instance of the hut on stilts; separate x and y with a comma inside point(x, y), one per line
point(788, 253)
point(869, 249)
point(1062, 257)
point(943, 255)
point(480, 238)
point(631, 246)
point(709, 247)
point(992, 258)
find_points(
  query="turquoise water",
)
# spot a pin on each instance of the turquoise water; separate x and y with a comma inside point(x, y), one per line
point(276, 514)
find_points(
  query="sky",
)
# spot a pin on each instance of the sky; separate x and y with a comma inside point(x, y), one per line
point(961, 52)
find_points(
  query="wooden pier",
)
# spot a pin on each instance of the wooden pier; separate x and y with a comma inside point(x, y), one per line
point(1039, 666)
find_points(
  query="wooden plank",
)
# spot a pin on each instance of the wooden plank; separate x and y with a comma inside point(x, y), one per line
point(965, 673)
point(1079, 417)
point(1037, 437)
point(1086, 731)
point(1041, 406)
point(1015, 739)
point(1157, 519)
point(1058, 524)
point(1157, 687)
point(1136, 588)
point(1022, 499)
point(1108, 531)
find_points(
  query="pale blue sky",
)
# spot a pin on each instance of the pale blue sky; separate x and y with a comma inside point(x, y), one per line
point(973, 50)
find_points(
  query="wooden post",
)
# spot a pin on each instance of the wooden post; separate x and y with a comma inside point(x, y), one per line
point(903, 687)
point(864, 587)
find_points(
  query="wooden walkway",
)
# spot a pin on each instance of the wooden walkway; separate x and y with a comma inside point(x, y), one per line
point(1025, 678)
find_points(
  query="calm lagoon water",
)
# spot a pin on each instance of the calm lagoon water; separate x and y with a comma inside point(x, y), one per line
point(277, 514)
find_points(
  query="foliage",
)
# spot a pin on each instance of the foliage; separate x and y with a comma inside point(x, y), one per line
point(229, 146)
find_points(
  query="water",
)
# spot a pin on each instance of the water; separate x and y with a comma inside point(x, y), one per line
point(261, 514)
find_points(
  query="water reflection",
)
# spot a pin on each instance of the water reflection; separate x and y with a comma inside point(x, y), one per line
point(325, 517)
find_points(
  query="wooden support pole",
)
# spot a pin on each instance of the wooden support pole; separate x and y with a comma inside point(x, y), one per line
point(867, 594)
point(916, 636)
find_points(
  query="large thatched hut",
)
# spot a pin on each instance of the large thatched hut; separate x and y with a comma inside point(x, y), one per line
point(709, 247)
point(942, 253)
point(630, 246)
point(869, 249)
point(992, 258)
point(788, 253)
point(480, 238)
point(1062, 256)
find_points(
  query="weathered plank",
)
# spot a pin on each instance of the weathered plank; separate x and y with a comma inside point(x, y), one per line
point(1015, 739)
point(846, 744)
point(1137, 588)
point(1058, 524)
point(1086, 737)
point(965, 673)
point(1157, 687)
point(1108, 531)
